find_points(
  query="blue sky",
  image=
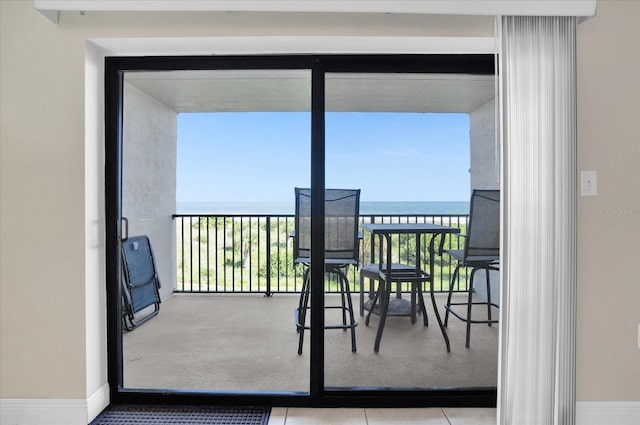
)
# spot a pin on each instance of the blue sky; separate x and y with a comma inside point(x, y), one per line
point(262, 156)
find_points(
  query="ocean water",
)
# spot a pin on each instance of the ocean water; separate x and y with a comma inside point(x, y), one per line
point(366, 207)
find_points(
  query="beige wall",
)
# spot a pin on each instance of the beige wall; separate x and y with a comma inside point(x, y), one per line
point(608, 363)
point(42, 342)
point(45, 350)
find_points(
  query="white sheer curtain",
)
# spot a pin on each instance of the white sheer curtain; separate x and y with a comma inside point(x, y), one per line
point(537, 366)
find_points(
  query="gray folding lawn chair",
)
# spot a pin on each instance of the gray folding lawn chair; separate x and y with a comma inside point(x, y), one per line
point(140, 283)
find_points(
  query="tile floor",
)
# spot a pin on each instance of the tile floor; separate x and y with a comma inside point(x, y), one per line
point(355, 416)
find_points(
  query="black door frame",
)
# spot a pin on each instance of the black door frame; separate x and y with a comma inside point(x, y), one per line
point(319, 65)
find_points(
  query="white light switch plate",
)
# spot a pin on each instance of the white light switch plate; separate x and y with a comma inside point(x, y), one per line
point(589, 186)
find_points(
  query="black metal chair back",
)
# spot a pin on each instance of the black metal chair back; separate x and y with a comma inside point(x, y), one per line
point(341, 209)
point(483, 233)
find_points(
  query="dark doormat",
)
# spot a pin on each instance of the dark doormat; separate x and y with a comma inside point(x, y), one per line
point(170, 415)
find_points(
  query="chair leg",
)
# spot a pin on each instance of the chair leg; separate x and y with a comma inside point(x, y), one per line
point(341, 281)
point(414, 295)
point(376, 298)
point(423, 307)
point(352, 319)
point(384, 307)
point(126, 323)
point(469, 304)
point(361, 295)
point(346, 305)
point(298, 310)
point(302, 310)
point(448, 305)
point(488, 296)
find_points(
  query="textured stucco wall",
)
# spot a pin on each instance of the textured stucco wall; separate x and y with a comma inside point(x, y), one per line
point(149, 178)
point(484, 169)
point(484, 175)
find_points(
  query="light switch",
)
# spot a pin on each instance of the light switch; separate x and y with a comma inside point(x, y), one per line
point(589, 183)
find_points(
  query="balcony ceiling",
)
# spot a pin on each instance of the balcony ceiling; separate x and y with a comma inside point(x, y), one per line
point(289, 91)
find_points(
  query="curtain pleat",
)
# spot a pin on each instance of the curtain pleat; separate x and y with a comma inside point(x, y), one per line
point(537, 366)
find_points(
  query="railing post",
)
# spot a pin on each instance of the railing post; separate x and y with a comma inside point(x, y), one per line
point(268, 293)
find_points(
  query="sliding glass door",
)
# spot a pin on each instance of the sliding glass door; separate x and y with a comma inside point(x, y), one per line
point(404, 140)
point(210, 160)
point(203, 155)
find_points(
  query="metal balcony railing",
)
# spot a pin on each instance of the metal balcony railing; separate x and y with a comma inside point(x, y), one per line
point(239, 253)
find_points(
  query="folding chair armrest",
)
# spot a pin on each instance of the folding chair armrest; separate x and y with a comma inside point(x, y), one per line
point(443, 237)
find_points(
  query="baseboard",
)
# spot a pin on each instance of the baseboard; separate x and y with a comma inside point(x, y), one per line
point(97, 402)
point(608, 413)
point(81, 412)
point(53, 411)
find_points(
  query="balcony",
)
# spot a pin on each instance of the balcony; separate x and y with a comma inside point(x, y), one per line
point(229, 323)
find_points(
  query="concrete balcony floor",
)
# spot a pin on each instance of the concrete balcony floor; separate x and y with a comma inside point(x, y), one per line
point(249, 343)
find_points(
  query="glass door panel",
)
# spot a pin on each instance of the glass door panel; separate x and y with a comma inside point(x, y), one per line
point(210, 162)
point(405, 141)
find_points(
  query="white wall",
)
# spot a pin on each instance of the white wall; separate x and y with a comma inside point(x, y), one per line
point(149, 178)
point(97, 390)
